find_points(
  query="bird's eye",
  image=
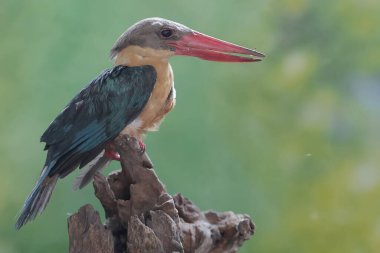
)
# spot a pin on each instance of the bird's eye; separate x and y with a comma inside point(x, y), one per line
point(166, 33)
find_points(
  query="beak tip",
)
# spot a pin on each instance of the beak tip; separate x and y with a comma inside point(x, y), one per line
point(256, 60)
point(258, 54)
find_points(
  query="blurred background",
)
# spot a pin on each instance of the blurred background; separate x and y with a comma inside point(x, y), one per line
point(292, 141)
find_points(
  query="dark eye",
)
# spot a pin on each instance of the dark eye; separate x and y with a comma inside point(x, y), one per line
point(166, 33)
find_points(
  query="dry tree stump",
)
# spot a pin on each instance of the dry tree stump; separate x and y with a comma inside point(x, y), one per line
point(142, 217)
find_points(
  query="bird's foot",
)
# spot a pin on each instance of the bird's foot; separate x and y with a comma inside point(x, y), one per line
point(142, 146)
point(111, 154)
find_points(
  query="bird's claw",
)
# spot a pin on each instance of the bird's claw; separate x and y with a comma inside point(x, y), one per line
point(111, 154)
point(142, 147)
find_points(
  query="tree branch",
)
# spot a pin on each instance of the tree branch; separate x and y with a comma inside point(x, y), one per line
point(142, 217)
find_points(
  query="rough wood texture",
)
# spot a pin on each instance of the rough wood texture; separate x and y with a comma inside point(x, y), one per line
point(87, 234)
point(142, 217)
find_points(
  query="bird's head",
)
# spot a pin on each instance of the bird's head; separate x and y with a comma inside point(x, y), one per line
point(158, 37)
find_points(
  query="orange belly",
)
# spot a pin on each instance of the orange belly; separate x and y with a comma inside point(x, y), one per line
point(150, 121)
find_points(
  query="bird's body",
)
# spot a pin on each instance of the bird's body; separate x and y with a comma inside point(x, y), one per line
point(162, 99)
point(130, 98)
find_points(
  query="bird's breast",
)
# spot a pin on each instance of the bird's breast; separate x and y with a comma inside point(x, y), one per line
point(161, 101)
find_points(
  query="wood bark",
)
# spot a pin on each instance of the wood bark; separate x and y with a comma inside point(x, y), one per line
point(142, 217)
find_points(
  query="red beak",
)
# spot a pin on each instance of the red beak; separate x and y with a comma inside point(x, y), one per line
point(208, 48)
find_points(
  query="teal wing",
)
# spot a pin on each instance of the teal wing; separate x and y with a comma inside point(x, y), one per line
point(81, 131)
point(97, 115)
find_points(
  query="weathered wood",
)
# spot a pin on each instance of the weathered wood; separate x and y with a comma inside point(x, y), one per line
point(87, 233)
point(211, 231)
point(142, 217)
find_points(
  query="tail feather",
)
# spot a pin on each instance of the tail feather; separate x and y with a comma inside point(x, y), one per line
point(88, 171)
point(38, 198)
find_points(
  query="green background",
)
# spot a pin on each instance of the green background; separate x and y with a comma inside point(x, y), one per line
point(293, 141)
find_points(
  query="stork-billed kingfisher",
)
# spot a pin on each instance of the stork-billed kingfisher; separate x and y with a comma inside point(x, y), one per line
point(131, 98)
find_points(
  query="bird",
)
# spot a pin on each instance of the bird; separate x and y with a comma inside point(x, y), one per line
point(132, 97)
